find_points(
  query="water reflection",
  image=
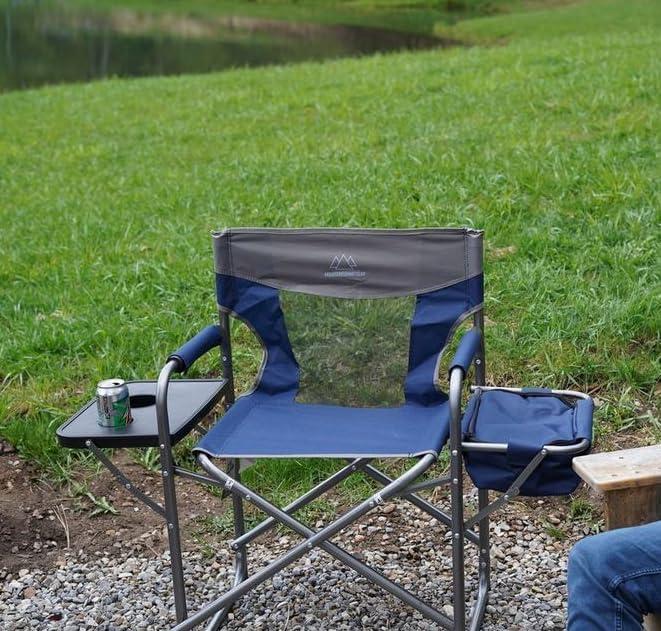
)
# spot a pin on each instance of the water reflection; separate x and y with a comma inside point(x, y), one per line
point(45, 43)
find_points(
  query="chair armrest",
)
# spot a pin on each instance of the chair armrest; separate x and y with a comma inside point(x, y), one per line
point(187, 354)
point(179, 361)
point(468, 346)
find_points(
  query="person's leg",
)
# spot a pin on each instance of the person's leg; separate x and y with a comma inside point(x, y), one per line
point(614, 578)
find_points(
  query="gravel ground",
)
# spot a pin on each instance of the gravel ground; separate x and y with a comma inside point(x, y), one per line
point(127, 591)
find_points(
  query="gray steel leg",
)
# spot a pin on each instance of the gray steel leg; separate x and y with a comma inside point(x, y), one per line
point(240, 554)
point(169, 490)
point(484, 558)
point(240, 560)
point(457, 500)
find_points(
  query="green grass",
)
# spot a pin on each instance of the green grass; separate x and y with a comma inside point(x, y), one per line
point(555, 533)
point(595, 17)
point(550, 143)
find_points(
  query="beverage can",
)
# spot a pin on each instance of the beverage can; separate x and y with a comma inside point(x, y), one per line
point(113, 407)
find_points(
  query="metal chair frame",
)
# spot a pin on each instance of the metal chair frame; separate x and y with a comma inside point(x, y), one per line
point(405, 486)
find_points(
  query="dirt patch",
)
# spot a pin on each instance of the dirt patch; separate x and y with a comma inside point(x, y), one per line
point(40, 521)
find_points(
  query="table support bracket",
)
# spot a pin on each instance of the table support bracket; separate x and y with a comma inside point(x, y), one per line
point(119, 475)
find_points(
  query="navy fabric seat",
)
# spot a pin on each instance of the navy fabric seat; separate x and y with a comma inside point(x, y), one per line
point(260, 426)
point(526, 421)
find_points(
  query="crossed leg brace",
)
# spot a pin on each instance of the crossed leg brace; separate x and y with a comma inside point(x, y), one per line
point(403, 486)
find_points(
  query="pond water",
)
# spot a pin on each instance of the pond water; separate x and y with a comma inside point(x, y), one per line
point(44, 43)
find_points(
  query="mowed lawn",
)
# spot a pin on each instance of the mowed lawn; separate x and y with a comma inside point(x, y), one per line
point(547, 140)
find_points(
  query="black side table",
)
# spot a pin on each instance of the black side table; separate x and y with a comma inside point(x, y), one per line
point(189, 401)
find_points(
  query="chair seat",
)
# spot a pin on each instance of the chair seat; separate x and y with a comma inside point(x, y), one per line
point(260, 426)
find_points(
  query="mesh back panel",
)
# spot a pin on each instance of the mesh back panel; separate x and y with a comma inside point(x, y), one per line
point(334, 309)
point(349, 352)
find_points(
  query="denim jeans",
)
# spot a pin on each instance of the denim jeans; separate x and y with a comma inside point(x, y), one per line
point(614, 578)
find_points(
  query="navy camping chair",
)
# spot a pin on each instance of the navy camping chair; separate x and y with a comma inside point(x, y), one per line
point(513, 441)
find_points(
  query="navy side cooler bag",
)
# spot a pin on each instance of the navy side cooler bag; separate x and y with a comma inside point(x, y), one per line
point(526, 420)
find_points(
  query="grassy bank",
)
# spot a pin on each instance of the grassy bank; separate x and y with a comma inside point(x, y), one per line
point(416, 15)
point(110, 190)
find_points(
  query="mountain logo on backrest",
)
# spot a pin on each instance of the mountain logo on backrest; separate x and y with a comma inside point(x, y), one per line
point(343, 266)
point(343, 262)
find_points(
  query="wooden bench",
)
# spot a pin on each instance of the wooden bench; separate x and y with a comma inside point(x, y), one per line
point(630, 481)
